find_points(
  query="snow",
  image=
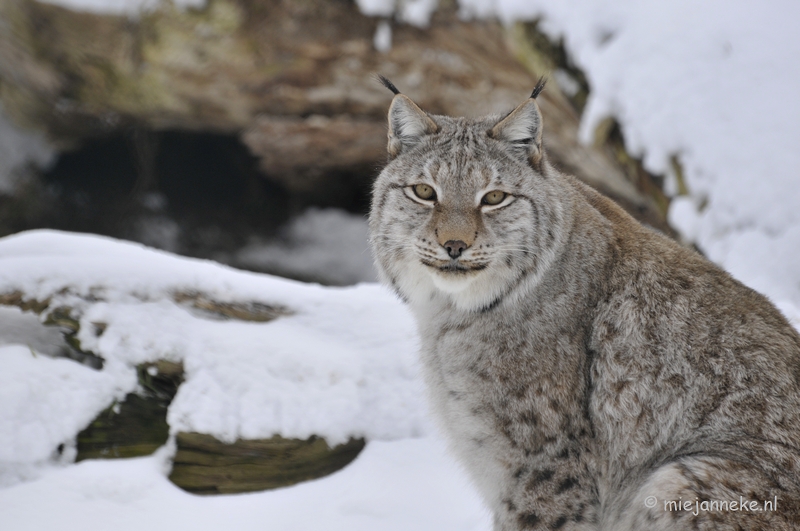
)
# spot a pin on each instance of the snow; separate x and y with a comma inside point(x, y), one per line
point(22, 328)
point(326, 245)
point(45, 402)
point(376, 8)
point(415, 12)
point(19, 149)
point(401, 485)
point(123, 7)
point(383, 37)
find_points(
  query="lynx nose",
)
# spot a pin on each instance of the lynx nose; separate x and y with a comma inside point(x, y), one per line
point(455, 247)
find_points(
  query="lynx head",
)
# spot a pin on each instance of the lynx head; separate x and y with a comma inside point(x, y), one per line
point(465, 209)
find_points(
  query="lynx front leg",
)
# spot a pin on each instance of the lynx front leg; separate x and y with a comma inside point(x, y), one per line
point(552, 491)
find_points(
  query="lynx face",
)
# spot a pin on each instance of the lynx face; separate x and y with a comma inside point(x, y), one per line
point(465, 208)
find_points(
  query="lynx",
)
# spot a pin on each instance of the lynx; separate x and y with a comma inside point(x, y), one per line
point(589, 372)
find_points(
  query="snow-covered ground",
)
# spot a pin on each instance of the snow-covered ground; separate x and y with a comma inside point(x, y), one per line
point(403, 485)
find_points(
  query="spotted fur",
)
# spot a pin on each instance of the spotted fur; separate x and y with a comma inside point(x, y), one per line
point(578, 361)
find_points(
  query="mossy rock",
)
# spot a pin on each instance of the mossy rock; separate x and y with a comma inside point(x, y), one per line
point(136, 426)
point(206, 465)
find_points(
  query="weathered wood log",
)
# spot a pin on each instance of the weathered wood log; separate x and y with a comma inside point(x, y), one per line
point(60, 317)
point(200, 303)
point(205, 465)
point(243, 311)
point(136, 426)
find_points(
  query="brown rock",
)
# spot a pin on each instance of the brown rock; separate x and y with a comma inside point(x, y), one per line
point(301, 152)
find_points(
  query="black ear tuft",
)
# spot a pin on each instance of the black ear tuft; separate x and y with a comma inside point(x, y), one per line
point(539, 87)
point(386, 83)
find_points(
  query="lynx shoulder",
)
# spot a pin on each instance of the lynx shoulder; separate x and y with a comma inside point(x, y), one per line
point(590, 373)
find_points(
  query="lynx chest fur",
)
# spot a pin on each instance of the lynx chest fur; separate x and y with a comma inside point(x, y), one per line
point(588, 371)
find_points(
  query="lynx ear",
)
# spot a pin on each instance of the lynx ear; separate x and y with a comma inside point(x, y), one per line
point(523, 128)
point(407, 124)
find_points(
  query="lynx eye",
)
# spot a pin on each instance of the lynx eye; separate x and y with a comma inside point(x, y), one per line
point(425, 192)
point(495, 197)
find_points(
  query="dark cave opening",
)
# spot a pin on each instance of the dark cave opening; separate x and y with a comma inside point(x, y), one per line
point(204, 195)
point(207, 184)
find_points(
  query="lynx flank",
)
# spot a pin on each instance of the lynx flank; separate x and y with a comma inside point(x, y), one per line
point(591, 374)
